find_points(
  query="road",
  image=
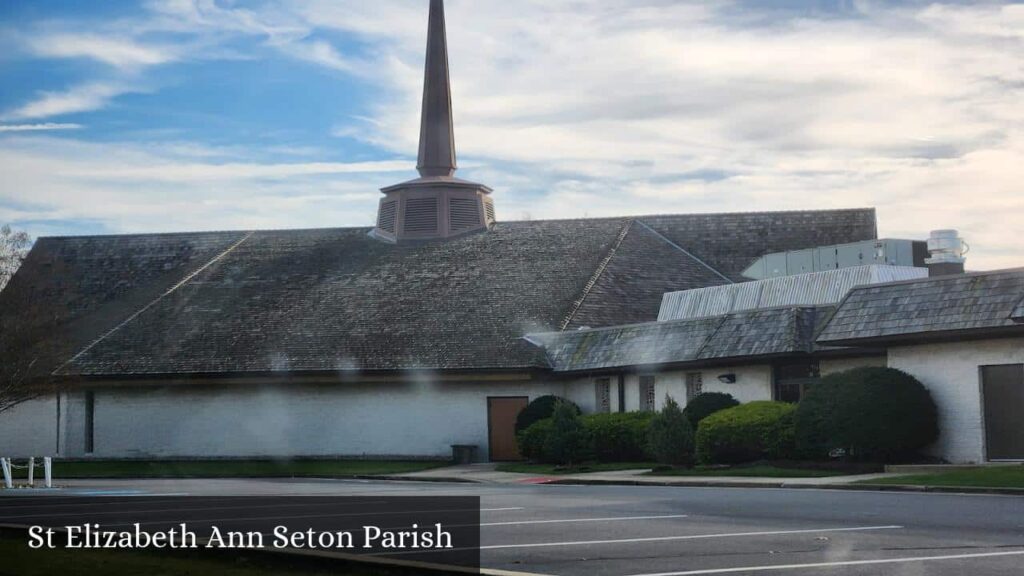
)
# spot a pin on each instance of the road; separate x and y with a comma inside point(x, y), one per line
point(633, 530)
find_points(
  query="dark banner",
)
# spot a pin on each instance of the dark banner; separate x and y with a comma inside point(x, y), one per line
point(433, 530)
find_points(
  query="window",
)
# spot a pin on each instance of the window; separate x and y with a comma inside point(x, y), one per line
point(694, 385)
point(603, 395)
point(647, 393)
point(792, 379)
point(90, 409)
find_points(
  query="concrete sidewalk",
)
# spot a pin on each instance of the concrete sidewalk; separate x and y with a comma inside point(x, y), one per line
point(488, 474)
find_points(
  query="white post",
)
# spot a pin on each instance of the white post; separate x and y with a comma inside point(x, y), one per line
point(31, 471)
point(6, 464)
point(48, 471)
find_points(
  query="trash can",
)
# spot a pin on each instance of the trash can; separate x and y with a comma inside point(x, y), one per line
point(463, 453)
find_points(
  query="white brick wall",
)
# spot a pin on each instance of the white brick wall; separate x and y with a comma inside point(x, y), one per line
point(951, 372)
point(419, 418)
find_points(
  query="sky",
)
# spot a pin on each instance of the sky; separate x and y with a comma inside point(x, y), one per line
point(182, 115)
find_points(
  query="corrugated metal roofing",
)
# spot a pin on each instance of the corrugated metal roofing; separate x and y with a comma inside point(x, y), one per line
point(813, 289)
point(963, 305)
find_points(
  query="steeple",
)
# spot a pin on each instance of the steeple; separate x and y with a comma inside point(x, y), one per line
point(437, 204)
point(437, 132)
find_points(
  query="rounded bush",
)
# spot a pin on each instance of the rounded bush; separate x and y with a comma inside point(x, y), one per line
point(618, 437)
point(567, 443)
point(670, 436)
point(539, 409)
point(745, 433)
point(706, 404)
point(871, 413)
point(531, 441)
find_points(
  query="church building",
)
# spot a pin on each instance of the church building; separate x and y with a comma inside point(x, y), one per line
point(434, 326)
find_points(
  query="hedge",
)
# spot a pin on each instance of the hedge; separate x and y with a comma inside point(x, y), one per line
point(745, 433)
point(618, 437)
point(870, 414)
point(531, 441)
point(539, 409)
point(706, 404)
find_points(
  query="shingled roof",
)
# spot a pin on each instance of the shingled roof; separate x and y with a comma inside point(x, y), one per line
point(336, 300)
point(738, 336)
point(969, 305)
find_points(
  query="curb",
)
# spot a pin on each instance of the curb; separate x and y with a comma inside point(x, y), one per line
point(793, 486)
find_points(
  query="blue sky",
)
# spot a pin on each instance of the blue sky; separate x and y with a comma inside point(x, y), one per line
point(169, 115)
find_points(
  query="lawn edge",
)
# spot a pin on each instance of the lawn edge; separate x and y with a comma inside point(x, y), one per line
point(791, 486)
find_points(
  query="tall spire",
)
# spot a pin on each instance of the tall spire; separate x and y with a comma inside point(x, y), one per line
point(437, 132)
point(437, 205)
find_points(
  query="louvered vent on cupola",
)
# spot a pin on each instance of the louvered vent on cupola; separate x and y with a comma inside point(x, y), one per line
point(388, 216)
point(436, 205)
point(421, 216)
point(463, 214)
point(489, 207)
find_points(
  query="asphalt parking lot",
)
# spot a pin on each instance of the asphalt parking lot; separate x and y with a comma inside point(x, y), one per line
point(630, 530)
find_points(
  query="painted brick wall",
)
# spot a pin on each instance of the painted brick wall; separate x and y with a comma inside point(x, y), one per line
point(951, 372)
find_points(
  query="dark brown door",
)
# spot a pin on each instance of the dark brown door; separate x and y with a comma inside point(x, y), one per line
point(501, 426)
point(1003, 390)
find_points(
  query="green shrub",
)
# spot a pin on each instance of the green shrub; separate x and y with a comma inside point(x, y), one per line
point(567, 443)
point(531, 441)
point(618, 437)
point(872, 413)
point(670, 436)
point(745, 433)
point(706, 404)
point(539, 409)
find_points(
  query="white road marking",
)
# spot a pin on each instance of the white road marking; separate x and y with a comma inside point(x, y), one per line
point(688, 537)
point(616, 519)
point(201, 521)
point(164, 510)
point(838, 564)
point(501, 509)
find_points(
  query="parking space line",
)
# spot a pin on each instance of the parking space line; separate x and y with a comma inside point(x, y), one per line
point(569, 520)
point(838, 564)
point(687, 537)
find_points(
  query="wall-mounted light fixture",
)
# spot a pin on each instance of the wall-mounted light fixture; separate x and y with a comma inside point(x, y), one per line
point(727, 378)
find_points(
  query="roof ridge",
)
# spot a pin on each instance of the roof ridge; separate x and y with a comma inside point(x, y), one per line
point(576, 305)
point(685, 251)
point(938, 279)
point(154, 302)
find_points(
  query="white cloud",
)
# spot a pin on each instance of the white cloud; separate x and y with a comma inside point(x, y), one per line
point(46, 126)
point(149, 187)
point(83, 98)
point(121, 53)
point(609, 107)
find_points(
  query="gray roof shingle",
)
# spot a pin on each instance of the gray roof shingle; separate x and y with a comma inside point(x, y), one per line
point(934, 308)
point(330, 300)
point(741, 335)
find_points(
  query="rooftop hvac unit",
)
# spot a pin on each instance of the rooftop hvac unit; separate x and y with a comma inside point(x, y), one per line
point(889, 252)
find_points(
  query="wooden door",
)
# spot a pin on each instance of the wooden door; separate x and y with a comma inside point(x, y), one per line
point(1003, 391)
point(501, 427)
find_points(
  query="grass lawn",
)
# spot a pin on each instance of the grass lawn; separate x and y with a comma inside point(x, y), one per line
point(20, 559)
point(551, 469)
point(230, 468)
point(988, 477)
point(760, 471)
